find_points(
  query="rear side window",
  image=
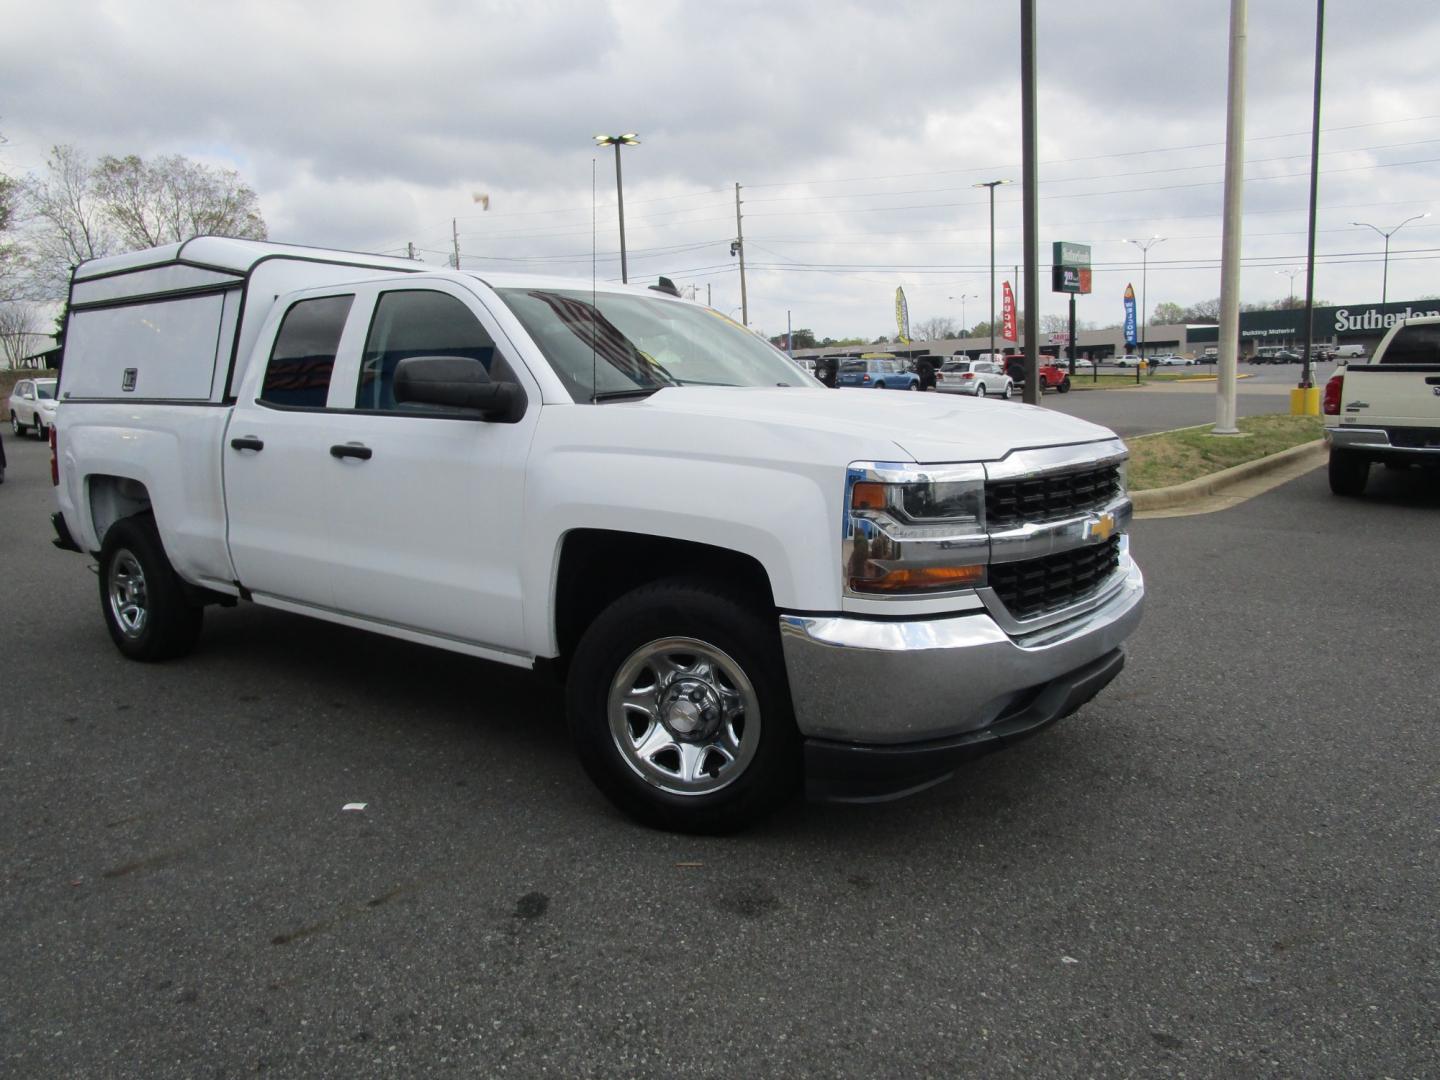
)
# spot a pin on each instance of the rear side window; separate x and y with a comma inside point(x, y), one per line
point(298, 374)
point(418, 323)
point(1414, 345)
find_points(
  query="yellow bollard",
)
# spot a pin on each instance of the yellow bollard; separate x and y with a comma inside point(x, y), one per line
point(1305, 401)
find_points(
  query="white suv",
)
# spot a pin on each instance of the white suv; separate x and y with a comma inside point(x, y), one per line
point(32, 406)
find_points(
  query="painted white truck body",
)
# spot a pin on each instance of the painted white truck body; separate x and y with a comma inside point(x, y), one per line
point(1386, 409)
point(452, 532)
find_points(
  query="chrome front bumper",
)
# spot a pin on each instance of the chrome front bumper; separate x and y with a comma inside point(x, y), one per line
point(874, 682)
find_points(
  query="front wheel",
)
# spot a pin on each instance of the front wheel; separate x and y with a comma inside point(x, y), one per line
point(679, 708)
point(1064, 386)
point(15, 425)
point(1349, 472)
point(143, 601)
point(41, 431)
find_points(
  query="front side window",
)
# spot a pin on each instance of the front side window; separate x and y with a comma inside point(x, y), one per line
point(419, 322)
point(613, 345)
point(298, 373)
point(45, 390)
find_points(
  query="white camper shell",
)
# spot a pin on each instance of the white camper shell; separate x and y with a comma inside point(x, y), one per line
point(136, 319)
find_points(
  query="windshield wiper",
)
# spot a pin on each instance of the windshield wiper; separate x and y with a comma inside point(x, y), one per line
point(621, 395)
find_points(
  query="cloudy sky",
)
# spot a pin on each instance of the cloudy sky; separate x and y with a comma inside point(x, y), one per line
point(855, 129)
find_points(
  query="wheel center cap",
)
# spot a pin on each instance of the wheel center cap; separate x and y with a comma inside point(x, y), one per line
point(691, 709)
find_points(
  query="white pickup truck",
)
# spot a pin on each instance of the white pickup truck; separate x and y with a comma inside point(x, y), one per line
point(1386, 410)
point(747, 581)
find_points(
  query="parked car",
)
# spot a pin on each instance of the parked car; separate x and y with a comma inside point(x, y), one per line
point(979, 378)
point(2, 460)
point(749, 585)
point(1128, 360)
point(878, 375)
point(32, 406)
point(1052, 377)
point(1171, 360)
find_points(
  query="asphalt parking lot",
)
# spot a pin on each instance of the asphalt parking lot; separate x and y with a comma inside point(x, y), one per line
point(1226, 864)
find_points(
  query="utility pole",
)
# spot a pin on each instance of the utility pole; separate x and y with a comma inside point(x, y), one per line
point(1030, 200)
point(708, 302)
point(738, 248)
point(455, 232)
point(1229, 328)
point(789, 337)
point(410, 251)
point(1307, 379)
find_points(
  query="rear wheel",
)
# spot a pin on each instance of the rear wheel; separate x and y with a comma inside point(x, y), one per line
point(1009, 389)
point(146, 611)
point(879, 386)
point(1064, 386)
point(679, 708)
point(1348, 472)
point(980, 391)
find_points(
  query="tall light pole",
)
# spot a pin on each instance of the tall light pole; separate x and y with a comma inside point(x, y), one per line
point(1144, 246)
point(962, 298)
point(1292, 275)
point(1385, 274)
point(992, 185)
point(617, 141)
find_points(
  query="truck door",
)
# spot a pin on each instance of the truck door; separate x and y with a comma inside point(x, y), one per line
point(426, 529)
point(279, 473)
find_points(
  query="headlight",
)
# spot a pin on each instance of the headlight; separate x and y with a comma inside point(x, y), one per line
point(911, 531)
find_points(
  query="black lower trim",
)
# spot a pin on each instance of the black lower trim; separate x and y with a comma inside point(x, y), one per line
point(845, 772)
point(63, 540)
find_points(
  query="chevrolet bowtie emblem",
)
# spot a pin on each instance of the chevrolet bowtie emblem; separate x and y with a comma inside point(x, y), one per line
point(1102, 527)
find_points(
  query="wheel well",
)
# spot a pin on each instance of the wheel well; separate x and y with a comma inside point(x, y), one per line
point(113, 498)
point(598, 566)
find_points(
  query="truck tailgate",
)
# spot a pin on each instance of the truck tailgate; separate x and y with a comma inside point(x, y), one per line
point(1407, 394)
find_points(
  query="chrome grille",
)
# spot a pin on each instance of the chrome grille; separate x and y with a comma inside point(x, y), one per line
point(1049, 496)
point(1038, 586)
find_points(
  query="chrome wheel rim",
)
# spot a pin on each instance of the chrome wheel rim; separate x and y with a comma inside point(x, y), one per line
point(684, 716)
point(129, 602)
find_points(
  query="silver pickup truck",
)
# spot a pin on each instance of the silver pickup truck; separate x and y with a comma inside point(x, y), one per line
point(1386, 410)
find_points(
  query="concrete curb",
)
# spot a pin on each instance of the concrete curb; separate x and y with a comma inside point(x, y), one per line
point(1217, 483)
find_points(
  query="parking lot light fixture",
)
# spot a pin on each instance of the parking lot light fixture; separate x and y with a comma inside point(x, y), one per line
point(617, 141)
point(962, 298)
point(1385, 273)
point(992, 185)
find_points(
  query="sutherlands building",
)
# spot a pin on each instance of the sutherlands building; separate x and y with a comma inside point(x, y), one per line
point(1348, 324)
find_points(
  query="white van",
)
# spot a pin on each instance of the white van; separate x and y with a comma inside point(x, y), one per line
point(1349, 352)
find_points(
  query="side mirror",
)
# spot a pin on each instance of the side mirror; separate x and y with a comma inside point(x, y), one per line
point(457, 382)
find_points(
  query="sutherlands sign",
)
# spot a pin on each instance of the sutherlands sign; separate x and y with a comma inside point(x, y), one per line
point(1350, 322)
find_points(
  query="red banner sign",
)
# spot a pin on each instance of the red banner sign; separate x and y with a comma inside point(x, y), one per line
point(1007, 318)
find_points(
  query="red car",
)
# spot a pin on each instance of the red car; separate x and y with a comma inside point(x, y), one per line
point(1052, 376)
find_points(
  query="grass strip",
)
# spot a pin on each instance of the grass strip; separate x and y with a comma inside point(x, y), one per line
point(1172, 457)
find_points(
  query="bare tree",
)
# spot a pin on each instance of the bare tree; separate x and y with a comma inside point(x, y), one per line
point(172, 199)
point(17, 331)
point(936, 328)
point(79, 210)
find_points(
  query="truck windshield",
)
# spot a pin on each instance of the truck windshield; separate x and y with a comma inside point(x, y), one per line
point(612, 346)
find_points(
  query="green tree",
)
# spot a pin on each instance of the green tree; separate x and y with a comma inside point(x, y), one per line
point(1167, 314)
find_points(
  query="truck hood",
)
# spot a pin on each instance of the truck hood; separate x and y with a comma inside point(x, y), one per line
point(924, 428)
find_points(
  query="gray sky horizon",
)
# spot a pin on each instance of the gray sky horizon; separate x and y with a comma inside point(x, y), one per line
point(856, 131)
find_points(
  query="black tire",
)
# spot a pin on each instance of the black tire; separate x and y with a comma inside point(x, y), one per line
point(1008, 391)
point(1348, 472)
point(168, 623)
point(659, 619)
point(879, 386)
point(1064, 387)
point(41, 431)
point(15, 425)
point(980, 391)
point(910, 386)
